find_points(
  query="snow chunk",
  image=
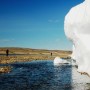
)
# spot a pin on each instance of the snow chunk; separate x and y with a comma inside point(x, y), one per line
point(77, 29)
point(59, 61)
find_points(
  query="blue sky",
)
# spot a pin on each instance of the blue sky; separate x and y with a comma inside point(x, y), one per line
point(34, 23)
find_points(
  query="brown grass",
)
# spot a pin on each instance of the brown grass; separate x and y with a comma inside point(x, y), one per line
point(31, 54)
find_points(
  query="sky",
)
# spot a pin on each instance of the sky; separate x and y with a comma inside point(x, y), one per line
point(35, 23)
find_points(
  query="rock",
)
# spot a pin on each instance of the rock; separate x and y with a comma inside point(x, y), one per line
point(5, 69)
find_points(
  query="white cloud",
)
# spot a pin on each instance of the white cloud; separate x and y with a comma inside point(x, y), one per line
point(53, 21)
point(6, 40)
point(56, 21)
point(50, 20)
point(58, 40)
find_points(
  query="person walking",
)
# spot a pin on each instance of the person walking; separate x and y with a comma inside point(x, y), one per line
point(7, 52)
point(51, 53)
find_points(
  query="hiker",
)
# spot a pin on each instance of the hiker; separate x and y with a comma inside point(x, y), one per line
point(51, 54)
point(7, 52)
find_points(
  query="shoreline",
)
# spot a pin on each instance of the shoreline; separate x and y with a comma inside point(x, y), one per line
point(26, 55)
point(22, 58)
point(25, 58)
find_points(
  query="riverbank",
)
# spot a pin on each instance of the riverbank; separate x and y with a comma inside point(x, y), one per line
point(25, 58)
point(27, 54)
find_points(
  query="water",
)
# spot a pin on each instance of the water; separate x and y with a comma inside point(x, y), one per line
point(43, 75)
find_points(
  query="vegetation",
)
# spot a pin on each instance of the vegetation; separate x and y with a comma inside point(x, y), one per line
point(27, 54)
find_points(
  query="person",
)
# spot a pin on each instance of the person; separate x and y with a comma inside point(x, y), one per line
point(51, 53)
point(7, 52)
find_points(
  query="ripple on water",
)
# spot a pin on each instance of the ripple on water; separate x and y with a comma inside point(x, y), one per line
point(43, 75)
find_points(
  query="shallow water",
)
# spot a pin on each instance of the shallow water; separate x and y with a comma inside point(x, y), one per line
point(43, 75)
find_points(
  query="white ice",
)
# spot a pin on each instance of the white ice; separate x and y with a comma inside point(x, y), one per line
point(59, 61)
point(77, 29)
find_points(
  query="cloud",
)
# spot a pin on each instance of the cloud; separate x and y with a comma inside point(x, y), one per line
point(56, 21)
point(6, 40)
point(58, 40)
point(53, 21)
point(50, 21)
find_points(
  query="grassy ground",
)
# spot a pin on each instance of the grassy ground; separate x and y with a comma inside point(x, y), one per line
point(26, 54)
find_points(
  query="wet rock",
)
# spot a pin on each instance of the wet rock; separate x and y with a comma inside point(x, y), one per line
point(5, 69)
